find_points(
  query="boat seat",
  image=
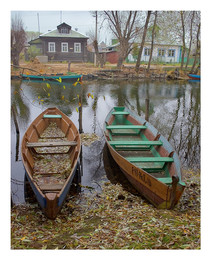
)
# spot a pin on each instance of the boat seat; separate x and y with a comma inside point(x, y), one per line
point(52, 116)
point(134, 143)
point(69, 144)
point(151, 167)
point(166, 180)
point(110, 127)
point(120, 113)
point(51, 187)
point(149, 159)
point(51, 144)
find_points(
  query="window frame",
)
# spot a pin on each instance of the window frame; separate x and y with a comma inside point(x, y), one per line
point(49, 47)
point(64, 30)
point(77, 47)
point(170, 53)
point(162, 52)
point(62, 46)
point(147, 50)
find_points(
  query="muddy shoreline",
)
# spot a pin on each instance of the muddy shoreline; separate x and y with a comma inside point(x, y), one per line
point(90, 72)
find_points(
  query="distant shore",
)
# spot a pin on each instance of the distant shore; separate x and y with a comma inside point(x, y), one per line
point(89, 71)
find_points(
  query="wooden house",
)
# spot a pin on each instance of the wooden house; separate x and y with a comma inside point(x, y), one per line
point(62, 44)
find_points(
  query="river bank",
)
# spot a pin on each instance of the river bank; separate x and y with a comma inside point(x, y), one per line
point(114, 218)
point(89, 71)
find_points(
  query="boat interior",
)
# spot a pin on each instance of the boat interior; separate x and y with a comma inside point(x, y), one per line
point(50, 150)
point(136, 143)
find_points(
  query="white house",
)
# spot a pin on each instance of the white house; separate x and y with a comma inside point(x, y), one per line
point(162, 53)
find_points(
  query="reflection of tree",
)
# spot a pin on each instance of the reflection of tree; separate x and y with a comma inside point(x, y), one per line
point(119, 94)
point(19, 103)
point(94, 108)
point(175, 119)
point(134, 94)
point(192, 150)
point(187, 119)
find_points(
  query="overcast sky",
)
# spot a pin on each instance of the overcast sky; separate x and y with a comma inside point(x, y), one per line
point(48, 20)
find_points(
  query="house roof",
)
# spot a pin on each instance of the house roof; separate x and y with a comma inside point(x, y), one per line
point(164, 44)
point(35, 41)
point(56, 33)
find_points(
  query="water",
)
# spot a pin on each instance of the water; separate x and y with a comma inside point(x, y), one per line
point(174, 109)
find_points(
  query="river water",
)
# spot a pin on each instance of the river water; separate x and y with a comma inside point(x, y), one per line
point(174, 109)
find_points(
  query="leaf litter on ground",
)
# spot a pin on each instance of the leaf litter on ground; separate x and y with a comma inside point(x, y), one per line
point(111, 219)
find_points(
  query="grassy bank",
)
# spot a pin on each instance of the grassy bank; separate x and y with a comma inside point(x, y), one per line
point(111, 219)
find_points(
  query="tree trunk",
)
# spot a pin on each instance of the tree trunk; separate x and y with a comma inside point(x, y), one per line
point(183, 39)
point(100, 58)
point(152, 43)
point(197, 55)
point(143, 41)
point(191, 37)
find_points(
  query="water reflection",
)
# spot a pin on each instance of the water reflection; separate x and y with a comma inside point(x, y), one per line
point(172, 107)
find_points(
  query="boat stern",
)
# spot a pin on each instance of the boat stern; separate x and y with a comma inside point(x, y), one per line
point(51, 210)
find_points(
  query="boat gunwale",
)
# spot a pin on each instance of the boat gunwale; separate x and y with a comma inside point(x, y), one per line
point(49, 77)
point(73, 168)
point(166, 145)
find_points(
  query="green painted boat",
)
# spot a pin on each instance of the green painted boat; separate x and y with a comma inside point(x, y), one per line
point(145, 157)
point(53, 77)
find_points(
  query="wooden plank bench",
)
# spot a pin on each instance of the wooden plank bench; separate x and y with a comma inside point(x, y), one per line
point(51, 187)
point(110, 127)
point(150, 159)
point(120, 113)
point(166, 180)
point(134, 143)
point(50, 144)
point(52, 116)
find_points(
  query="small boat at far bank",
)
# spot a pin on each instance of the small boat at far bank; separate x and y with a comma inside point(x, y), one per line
point(53, 77)
point(194, 76)
point(50, 152)
point(145, 157)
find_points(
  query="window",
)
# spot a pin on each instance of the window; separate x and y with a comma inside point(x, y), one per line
point(64, 30)
point(64, 47)
point(51, 47)
point(77, 47)
point(161, 52)
point(146, 51)
point(171, 53)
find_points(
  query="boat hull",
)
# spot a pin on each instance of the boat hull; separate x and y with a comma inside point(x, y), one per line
point(155, 190)
point(195, 77)
point(51, 77)
point(159, 194)
point(50, 202)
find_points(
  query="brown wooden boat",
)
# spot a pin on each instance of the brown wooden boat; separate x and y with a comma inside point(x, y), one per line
point(50, 153)
point(145, 157)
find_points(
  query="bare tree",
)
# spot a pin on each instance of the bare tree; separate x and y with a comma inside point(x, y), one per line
point(18, 39)
point(197, 53)
point(191, 38)
point(99, 58)
point(123, 26)
point(143, 41)
point(183, 37)
point(152, 43)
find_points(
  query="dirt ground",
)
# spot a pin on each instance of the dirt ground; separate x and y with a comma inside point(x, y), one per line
point(35, 67)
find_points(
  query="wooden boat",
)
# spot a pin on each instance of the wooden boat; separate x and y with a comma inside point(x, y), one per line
point(194, 76)
point(50, 153)
point(145, 157)
point(52, 77)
